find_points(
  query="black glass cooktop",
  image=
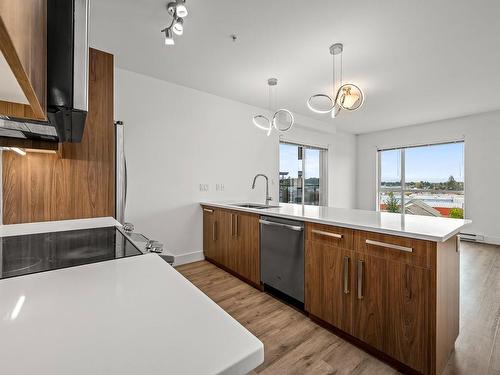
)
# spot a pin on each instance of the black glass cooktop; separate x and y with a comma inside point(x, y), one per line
point(32, 253)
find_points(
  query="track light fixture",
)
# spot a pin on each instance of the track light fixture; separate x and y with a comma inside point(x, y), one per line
point(348, 96)
point(282, 119)
point(178, 11)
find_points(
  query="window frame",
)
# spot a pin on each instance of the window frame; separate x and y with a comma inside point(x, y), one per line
point(402, 188)
point(323, 168)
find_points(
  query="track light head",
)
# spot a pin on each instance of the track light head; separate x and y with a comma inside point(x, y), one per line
point(178, 26)
point(181, 9)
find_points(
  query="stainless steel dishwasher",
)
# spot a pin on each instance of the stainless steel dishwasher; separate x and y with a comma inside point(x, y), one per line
point(282, 255)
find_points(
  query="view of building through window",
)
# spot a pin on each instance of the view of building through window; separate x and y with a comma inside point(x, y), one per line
point(302, 174)
point(425, 180)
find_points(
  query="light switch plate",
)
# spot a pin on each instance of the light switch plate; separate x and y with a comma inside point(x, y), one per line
point(203, 187)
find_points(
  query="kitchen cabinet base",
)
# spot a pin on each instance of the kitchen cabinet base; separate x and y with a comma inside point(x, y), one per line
point(249, 282)
point(394, 363)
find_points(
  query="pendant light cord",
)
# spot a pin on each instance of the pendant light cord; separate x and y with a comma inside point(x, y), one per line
point(269, 97)
point(341, 68)
point(334, 78)
point(335, 86)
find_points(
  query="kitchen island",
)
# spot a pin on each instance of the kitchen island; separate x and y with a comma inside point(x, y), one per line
point(387, 282)
point(133, 315)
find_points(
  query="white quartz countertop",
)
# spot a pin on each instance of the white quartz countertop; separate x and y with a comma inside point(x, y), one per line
point(128, 316)
point(56, 226)
point(430, 228)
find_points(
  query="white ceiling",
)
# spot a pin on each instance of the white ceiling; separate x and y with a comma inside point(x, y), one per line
point(416, 60)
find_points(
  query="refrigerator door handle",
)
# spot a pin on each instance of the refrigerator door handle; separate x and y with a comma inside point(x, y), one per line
point(125, 183)
point(121, 173)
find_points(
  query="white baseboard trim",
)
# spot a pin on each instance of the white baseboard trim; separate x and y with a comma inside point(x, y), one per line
point(481, 238)
point(195, 256)
point(491, 240)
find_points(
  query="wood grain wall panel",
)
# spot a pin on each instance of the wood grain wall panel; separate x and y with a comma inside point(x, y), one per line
point(16, 110)
point(78, 183)
point(43, 146)
point(23, 42)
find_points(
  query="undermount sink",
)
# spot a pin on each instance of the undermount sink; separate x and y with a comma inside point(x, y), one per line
point(253, 205)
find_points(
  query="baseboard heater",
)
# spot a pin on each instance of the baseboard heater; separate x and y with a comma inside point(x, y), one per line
point(471, 237)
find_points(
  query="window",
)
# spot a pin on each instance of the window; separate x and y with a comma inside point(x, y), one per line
point(425, 180)
point(303, 175)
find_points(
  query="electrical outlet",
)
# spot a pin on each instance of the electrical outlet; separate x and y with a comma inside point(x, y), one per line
point(219, 187)
point(203, 187)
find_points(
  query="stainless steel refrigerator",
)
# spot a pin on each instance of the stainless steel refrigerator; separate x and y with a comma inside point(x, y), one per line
point(121, 196)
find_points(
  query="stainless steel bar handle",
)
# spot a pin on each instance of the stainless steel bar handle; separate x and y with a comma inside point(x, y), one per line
point(291, 227)
point(236, 225)
point(390, 246)
point(208, 210)
point(232, 231)
point(346, 275)
point(328, 234)
point(214, 231)
point(125, 183)
point(360, 279)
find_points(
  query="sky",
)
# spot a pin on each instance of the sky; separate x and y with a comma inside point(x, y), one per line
point(290, 163)
point(427, 163)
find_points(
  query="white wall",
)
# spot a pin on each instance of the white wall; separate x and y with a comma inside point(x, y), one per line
point(177, 138)
point(482, 164)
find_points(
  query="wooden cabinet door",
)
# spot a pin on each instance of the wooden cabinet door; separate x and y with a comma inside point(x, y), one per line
point(210, 233)
point(329, 283)
point(370, 300)
point(244, 244)
point(224, 238)
point(408, 305)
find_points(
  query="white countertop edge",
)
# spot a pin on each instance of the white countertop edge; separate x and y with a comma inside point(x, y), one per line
point(408, 234)
point(247, 364)
point(56, 226)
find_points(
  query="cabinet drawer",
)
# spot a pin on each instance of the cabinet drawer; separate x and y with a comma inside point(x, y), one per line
point(400, 249)
point(330, 235)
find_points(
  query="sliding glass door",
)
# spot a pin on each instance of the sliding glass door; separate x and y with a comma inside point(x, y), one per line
point(423, 180)
point(303, 174)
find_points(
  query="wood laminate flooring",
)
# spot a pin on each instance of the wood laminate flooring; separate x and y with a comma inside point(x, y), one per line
point(295, 345)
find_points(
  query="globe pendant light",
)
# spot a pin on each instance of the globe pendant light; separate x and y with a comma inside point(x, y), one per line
point(282, 119)
point(348, 96)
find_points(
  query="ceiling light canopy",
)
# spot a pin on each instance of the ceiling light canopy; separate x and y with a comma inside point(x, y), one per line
point(178, 11)
point(347, 96)
point(282, 119)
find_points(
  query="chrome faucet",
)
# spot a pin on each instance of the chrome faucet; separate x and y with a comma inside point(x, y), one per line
point(268, 198)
